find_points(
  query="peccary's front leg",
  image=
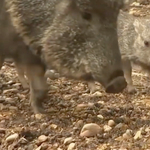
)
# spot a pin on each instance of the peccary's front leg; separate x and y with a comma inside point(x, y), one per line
point(21, 75)
point(128, 75)
point(38, 87)
point(92, 87)
point(1, 61)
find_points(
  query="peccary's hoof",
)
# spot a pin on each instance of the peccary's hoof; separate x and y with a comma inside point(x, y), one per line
point(117, 85)
point(38, 108)
point(36, 101)
point(131, 89)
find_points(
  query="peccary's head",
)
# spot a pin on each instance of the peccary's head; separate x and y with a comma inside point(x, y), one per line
point(82, 42)
point(142, 41)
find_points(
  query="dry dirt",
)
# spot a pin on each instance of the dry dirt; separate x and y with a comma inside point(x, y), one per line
point(72, 106)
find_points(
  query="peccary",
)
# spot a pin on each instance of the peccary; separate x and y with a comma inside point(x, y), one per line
point(12, 46)
point(134, 43)
point(77, 38)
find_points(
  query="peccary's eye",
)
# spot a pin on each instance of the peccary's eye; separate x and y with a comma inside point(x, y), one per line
point(86, 16)
point(146, 43)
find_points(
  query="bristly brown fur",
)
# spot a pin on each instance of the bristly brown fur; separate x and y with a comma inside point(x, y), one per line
point(74, 44)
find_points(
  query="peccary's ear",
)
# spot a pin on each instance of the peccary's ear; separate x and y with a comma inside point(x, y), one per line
point(138, 26)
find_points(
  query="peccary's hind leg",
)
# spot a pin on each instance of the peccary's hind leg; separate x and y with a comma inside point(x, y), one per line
point(38, 87)
point(21, 75)
point(128, 75)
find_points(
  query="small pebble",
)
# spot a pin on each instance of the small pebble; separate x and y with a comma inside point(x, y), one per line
point(13, 108)
point(138, 135)
point(107, 128)
point(10, 90)
point(38, 116)
point(53, 126)
point(12, 137)
point(23, 140)
point(127, 134)
point(100, 116)
point(42, 138)
point(71, 146)
point(89, 130)
point(79, 123)
point(68, 140)
point(120, 125)
point(111, 123)
point(10, 100)
point(44, 125)
point(38, 148)
point(2, 130)
point(59, 148)
point(97, 93)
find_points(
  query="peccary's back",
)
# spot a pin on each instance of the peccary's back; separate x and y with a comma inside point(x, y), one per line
point(36, 17)
point(10, 42)
point(126, 34)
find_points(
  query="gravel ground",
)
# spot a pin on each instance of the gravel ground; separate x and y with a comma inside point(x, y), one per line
point(77, 120)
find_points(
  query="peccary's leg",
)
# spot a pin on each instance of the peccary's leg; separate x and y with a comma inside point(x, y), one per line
point(92, 86)
point(1, 64)
point(38, 87)
point(1, 61)
point(128, 75)
point(21, 75)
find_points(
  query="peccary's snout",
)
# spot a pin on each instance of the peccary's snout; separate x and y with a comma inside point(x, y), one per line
point(117, 82)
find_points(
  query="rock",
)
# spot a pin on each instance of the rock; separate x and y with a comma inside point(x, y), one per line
point(52, 87)
point(90, 105)
point(39, 116)
point(138, 135)
point(10, 90)
point(38, 148)
point(2, 100)
point(2, 130)
point(30, 147)
point(12, 137)
point(79, 123)
point(120, 125)
point(100, 116)
point(71, 146)
point(147, 129)
point(128, 131)
point(23, 140)
point(89, 130)
point(53, 126)
point(10, 100)
point(68, 140)
point(127, 134)
point(107, 128)
point(44, 125)
point(84, 106)
point(111, 123)
point(135, 4)
point(98, 94)
point(59, 148)
point(13, 108)
point(81, 106)
point(44, 146)
point(42, 138)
